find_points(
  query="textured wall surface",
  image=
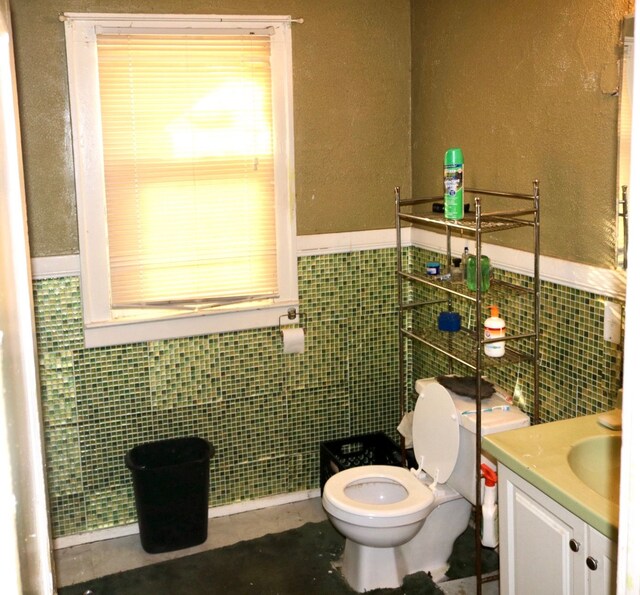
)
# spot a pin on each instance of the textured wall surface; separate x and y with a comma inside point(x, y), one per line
point(351, 92)
point(523, 88)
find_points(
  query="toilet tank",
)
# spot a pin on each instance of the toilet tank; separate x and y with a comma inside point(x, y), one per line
point(462, 478)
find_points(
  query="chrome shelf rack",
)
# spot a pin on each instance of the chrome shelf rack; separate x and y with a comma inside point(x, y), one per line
point(467, 345)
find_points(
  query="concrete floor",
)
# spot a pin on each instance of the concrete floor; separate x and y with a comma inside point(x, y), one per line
point(85, 562)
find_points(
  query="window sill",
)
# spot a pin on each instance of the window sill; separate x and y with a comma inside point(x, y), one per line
point(121, 332)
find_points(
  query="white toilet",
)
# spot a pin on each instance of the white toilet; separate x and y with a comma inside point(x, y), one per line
point(396, 521)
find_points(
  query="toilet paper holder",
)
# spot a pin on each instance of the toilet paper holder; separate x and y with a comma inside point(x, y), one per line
point(292, 314)
point(293, 336)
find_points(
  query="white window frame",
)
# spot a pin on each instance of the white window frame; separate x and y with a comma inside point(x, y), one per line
point(101, 325)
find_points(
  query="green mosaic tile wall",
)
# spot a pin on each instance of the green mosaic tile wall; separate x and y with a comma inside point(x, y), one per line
point(580, 372)
point(266, 412)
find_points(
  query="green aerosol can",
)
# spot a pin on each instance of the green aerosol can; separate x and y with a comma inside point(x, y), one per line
point(453, 184)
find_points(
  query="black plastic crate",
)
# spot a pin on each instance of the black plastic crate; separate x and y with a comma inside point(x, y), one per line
point(366, 449)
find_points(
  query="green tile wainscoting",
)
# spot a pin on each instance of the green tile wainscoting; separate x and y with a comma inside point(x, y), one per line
point(265, 411)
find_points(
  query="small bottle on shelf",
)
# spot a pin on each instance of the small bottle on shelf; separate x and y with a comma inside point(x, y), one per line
point(464, 262)
point(485, 273)
point(494, 327)
point(456, 271)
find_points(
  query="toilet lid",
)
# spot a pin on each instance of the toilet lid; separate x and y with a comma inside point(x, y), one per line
point(436, 432)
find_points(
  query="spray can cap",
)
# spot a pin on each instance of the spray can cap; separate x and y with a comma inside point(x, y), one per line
point(453, 157)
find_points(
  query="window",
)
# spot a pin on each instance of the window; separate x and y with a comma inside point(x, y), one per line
point(182, 135)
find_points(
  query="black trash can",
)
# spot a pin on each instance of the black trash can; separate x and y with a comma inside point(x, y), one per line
point(171, 487)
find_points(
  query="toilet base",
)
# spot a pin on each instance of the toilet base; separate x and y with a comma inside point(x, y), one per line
point(366, 568)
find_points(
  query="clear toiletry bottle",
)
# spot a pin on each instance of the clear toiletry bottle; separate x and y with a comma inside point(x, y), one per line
point(456, 271)
point(464, 262)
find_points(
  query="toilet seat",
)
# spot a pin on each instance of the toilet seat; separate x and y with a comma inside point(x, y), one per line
point(418, 498)
point(436, 432)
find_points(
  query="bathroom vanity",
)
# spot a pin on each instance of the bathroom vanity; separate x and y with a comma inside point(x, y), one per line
point(544, 548)
point(558, 490)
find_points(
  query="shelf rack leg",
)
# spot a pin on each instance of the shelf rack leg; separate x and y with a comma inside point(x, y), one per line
point(536, 305)
point(401, 355)
point(479, 336)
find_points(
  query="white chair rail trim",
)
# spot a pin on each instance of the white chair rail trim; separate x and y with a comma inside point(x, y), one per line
point(605, 282)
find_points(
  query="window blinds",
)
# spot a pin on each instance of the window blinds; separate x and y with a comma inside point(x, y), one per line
point(189, 168)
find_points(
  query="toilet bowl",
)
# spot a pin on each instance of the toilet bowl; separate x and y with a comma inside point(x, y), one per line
point(398, 521)
point(394, 524)
point(379, 506)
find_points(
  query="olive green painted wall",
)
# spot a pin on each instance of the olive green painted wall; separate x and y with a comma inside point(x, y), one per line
point(351, 108)
point(517, 85)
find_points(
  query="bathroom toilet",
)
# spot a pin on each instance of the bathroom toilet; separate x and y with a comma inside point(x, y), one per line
point(398, 521)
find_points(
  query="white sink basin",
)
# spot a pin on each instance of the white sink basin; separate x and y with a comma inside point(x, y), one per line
point(596, 462)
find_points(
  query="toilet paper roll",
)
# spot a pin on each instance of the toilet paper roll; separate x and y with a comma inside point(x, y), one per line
point(406, 429)
point(293, 340)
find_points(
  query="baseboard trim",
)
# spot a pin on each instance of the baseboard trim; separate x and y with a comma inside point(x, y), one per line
point(214, 512)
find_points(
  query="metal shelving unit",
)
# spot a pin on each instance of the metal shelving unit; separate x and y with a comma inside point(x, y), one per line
point(467, 345)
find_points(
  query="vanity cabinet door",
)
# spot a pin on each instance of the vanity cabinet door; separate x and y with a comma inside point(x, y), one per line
point(601, 564)
point(545, 549)
point(540, 542)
